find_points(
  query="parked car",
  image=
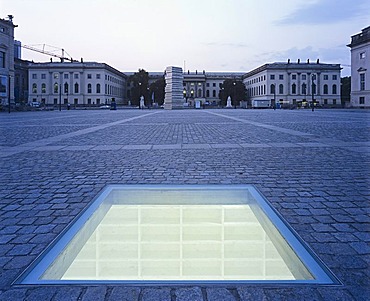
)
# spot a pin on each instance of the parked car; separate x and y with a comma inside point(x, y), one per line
point(105, 107)
point(35, 104)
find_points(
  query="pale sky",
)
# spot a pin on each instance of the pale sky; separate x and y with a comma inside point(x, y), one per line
point(211, 35)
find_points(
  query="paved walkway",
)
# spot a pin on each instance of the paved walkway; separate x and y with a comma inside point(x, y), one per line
point(314, 167)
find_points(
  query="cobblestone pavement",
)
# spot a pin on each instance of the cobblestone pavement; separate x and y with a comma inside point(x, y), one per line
point(314, 167)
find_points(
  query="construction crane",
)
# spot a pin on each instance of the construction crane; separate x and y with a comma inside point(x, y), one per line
point(62, 57)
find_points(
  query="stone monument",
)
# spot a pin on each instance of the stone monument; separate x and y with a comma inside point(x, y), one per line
point(228, 103)
point(174, 98)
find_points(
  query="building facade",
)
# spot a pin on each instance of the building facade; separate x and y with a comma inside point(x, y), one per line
point(7, 61)
point(360, 69)
point(206, 86)
point(76, 84)
point(21, 81)
point(294, 84)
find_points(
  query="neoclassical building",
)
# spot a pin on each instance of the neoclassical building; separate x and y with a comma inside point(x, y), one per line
point(77, 83)
point(206, 86)
point(294, 84)
point(360, 69)
point(7, 61)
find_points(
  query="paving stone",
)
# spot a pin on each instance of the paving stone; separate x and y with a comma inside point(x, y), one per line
point(156, 294)
point(41, 293)
point(219, 294)
point(189, 294)
point(67, 294)
point(97, 293)
point(120, 293)
point(13, 295)
point(251, 293)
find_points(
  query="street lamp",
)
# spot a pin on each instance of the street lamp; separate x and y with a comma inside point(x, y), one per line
point(9, 87)
point(234, 100)
point(313, 92)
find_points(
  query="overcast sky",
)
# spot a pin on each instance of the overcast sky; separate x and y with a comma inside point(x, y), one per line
point(211, 35)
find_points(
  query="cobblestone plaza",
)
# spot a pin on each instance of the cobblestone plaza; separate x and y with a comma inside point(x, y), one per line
point(314, 167)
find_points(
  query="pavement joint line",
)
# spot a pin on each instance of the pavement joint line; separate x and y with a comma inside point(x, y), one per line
point(330, 142)
point(267, 126)
point(43, 142)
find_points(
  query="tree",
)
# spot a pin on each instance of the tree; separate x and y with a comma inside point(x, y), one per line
point(139, 87)
point(233, 88)
point(156, 89)
point(345, 93)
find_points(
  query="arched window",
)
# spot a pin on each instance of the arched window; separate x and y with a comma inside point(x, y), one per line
point(294, 89)
point(214, 93)
point(272, 89)
point(76, 88)
point(56, 88)
point(281, 89)
point(334, 89)
point(89, 88)
point(43, 88)
point(326, 89)
point(207, 93)
point(34, 88)
point(97, 88)
point(313, 88)
point(66, 88)
point(200, 93)
point(304, 89)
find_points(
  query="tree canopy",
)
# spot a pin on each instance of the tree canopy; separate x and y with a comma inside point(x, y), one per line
point(157, 91)
point(139, 82)
point(233, 88)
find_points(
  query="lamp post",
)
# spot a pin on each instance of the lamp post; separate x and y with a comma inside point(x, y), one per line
point(313, 92)
point(9, 87)
point(234, 100)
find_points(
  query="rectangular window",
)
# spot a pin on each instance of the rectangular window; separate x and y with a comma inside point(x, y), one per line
point(362, 81)
point(294, 76)
point(334, 77)
point(98, 76)
point(43, 76)
point(98, 101)
point(272, 76)
point(325, 101)
point(65, 75)
point(89, 76)
point(214, 84)
point(326, 77)
point(206, 84)
point(334, 101)
point(2, 59)
point(281, 76)
point(34, 76)
point(65, 101)
point(76, 101)
point(89, 101)
point(55, 101)
point(362, 100)
point(220, 85)
point(304, 77)
point(362, 55)
point(76, 75)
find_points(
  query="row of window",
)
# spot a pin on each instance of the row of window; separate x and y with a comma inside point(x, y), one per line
point(77, 75)
point(294, 77)
point(108, 89)
point(261, 90)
